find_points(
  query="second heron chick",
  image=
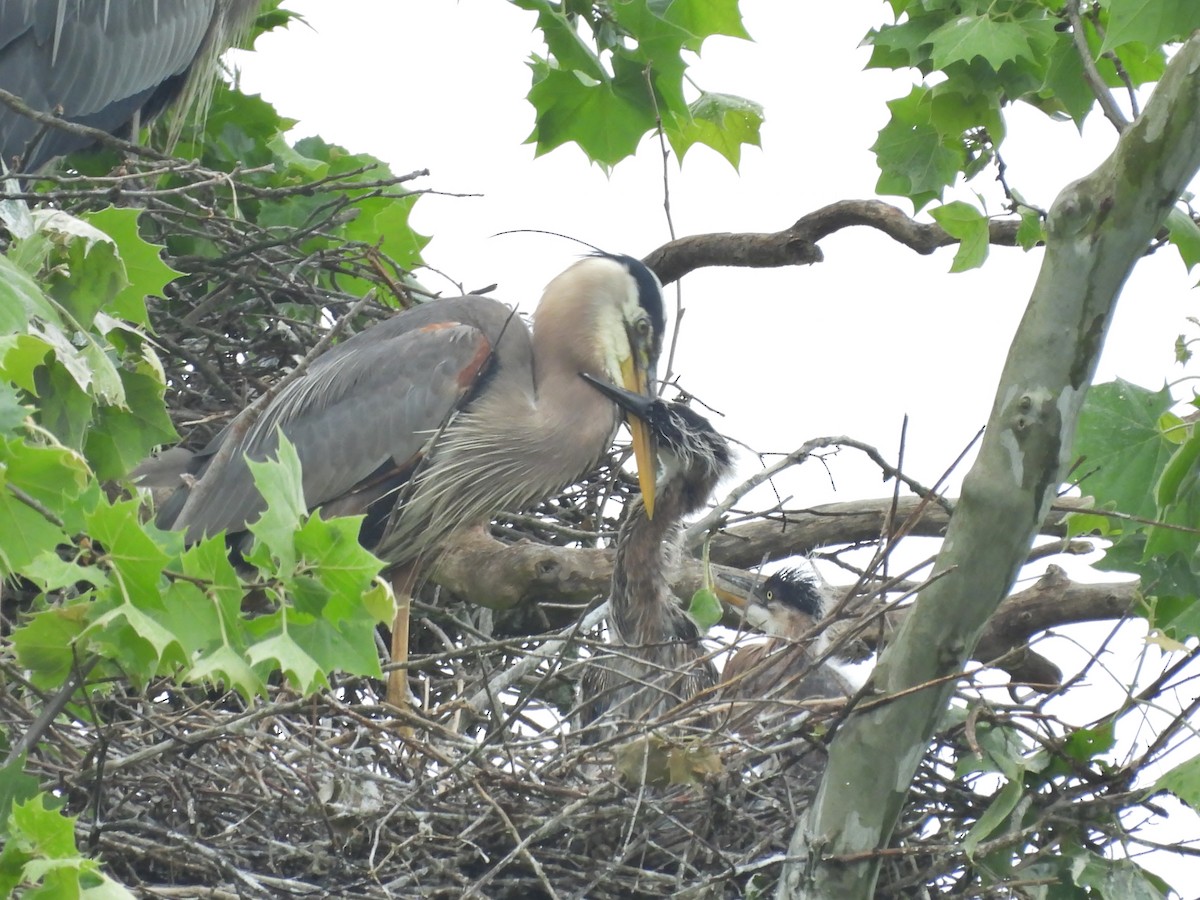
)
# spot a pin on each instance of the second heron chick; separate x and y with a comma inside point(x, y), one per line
point(656, 660)
point(796, 662)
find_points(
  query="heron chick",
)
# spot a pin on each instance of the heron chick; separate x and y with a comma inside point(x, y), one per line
point(655, 660)
point(442, 416)
point(790, 665)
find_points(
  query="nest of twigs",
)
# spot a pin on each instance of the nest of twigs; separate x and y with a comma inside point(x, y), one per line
point(490, 792)
point(335, 795)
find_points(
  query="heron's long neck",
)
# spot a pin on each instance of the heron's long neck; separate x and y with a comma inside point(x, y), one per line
point(642, 601)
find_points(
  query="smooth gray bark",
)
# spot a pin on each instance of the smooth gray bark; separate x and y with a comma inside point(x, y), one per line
point(1098, 228)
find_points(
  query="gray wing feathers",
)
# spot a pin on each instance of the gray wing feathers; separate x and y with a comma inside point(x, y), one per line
point(368, 403)
point(100, 64)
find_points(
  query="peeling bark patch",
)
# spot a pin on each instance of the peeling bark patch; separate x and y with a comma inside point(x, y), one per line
point(1088, 352)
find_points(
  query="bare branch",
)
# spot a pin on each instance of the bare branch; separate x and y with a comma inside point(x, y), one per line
point(797, 245)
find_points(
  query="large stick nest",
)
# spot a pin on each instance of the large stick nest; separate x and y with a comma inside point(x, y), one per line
point(184, 793)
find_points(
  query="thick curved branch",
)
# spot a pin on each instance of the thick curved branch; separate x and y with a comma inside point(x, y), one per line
point(746, 546)
point(797, 245)
point(488, 572)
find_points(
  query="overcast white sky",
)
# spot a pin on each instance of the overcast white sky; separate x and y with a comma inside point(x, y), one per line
point(845, 347)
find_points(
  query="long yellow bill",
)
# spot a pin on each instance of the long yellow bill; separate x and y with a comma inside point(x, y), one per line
point(634, 379)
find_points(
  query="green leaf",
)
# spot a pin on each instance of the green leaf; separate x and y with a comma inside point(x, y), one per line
point(46, 831)
point(1117, 879)
point(348, 646)
point(24, 532)
point(563, 39)
point(914, 159)
point(720, 121)
point(964, 38)
point(993, 817)
point(705, 609)
point(1065, 86)
point(281, 484)
point(1149, 22)
point(1032, 230)
point(970, 226)
point(145, 270)
point(339, 561)
point(283, 652)
point(54, 476)
point(702, 19)
point(121, 437)
point(44, 645)
point(571, 106)
point(1085, 744)
point(224, 667)
point(15, 787)
point(1184, 782)
point(380, 603)
point(1184, 233)
point(137, 561)
point(1122, 447)
point(13, 412)
point(21, 299)
point(903, 45)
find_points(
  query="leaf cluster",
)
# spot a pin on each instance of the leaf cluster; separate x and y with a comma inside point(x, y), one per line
point(615, 71)
point(973, 58)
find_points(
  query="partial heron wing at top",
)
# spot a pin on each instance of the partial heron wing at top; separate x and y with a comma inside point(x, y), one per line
point(365, 409)
point(100, 64)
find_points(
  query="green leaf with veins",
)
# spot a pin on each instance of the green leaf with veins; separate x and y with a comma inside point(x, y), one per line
point(970, 226)
point(720, 121)
point(1149, 22)
point(964, 38)
point(1122, 446)
point(147, 274)
point(915, 159)
point(572, 107)
point(1183, 781)
point(280, 482)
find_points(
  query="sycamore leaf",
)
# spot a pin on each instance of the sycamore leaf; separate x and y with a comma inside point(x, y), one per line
point(720, 121)
point(964, 38)
point(133, 554)
point(1149, 22)
point(224, 667)
point(994, 816)
point(282, 486)
point(1122, 447)
point(915, 159)
point(145, 270)
point(1184, 782)
point(705, 609)
point(289, 657)
point(1085, 744)
point(1032, 230)
point(1116, 879)
point(571, 106)
point(970, 226)
point(44, 644)
point(1184, 233)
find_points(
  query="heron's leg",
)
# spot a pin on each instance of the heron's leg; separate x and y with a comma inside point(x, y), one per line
point(403, 581)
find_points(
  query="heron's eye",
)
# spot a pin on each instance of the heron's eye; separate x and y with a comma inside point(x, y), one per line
point(643, 328)
point(770, 596)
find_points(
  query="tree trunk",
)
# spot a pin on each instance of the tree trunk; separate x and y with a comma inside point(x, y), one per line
point(1097, 229)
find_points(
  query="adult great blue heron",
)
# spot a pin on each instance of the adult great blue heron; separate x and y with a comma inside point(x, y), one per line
point(105, 64)
point(440, 417)
point(657, 660)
